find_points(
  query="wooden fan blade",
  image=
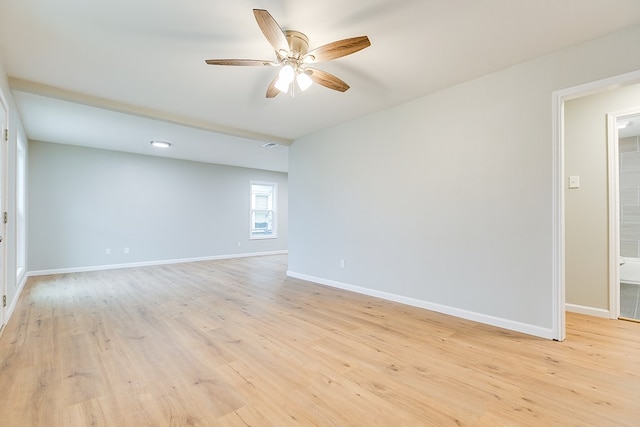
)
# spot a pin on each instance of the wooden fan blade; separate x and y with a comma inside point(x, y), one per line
point(272, 90)
point(271, 30)
point(337, 49)
point(238, 62)
point(328, 80)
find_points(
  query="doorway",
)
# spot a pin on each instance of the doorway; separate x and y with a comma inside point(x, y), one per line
point(592, 303)
point(624, 131)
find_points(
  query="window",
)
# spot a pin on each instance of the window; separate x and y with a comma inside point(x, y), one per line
point(263, 210)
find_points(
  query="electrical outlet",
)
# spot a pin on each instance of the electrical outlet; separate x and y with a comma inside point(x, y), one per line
point(107, 251)
point(341, 263)
point(125, 251)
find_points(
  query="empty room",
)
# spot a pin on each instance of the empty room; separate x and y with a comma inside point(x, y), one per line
point(281, 213)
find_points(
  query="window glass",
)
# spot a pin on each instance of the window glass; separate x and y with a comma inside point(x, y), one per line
point(263, 210)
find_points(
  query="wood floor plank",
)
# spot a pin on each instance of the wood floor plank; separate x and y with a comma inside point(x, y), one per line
point(237, 343)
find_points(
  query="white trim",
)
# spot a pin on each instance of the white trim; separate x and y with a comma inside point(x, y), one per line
point(20, 223)
point(589, 311)
point(149, 263)
point(453, 311)
point(14, 303)
point(558, 226)
point(558, 248)
point(4, 207)
point(614, 216)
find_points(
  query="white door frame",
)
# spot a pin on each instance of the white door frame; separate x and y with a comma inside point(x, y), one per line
point(3, 199)
point(558, 228)
point(614, 215)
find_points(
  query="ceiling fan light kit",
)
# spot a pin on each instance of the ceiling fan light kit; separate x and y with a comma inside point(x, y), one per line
point(293, 55)
point(304, 81)
point(285, 77)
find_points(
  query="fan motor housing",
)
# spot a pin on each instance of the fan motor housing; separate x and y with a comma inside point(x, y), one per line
point(298, 42)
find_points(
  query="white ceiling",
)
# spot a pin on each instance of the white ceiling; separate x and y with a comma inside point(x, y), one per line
point(117, 73)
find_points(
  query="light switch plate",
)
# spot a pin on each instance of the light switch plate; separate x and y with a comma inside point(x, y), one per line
point(574, 181)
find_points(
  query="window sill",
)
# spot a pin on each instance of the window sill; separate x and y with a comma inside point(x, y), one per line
point(262, 237)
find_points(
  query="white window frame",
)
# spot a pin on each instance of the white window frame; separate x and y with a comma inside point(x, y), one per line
point(268, 233)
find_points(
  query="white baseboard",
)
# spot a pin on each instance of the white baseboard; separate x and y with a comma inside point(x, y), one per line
point(590, 311)
point(12, 307)
point(22, 281)
point(453, 311)
point(149, 263)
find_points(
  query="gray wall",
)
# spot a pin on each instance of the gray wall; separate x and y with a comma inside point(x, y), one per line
point(586, 208)
point(447, 199)
point(83, 201)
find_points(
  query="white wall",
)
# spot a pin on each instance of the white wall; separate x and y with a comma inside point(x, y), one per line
point(83, 201)
point(447, 200)
point(586, 208)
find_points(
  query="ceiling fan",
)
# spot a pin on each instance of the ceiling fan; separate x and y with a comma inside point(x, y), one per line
point(293, 55)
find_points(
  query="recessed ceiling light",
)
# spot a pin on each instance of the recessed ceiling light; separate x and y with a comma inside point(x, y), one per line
point(269, 145)
point(622, 125)
point(161, 144)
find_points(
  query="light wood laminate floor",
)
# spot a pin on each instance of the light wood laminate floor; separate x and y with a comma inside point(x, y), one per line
point(236, 343)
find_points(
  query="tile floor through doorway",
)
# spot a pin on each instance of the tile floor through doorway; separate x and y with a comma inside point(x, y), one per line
point(630, 301)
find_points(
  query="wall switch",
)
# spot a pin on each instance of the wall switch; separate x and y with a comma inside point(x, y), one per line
point(125, 250)
point(574, 181)
point(341, 263)
point(107, 251)
point(238, 244)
